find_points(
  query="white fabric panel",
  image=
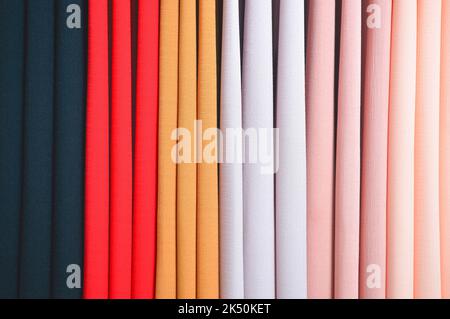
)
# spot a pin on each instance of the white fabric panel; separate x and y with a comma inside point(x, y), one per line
point(291, 176)
point(259, 254)
point(231, 202)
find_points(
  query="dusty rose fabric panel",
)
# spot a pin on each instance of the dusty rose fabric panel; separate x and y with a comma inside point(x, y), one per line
point(320, 137)
point(400, 218)
point(374, 150)
point(427, 281)
point(347, 199)
point(445, 150)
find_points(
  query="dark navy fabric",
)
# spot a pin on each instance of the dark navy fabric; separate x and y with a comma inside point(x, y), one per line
point(12, 15)
point(36, 226)
point(70, 101)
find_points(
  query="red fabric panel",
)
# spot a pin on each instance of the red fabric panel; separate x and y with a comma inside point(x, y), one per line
point(121, 153)
point(97, 155)
point(146, 142)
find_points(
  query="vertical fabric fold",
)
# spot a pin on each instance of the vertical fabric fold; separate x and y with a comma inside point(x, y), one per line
point(37, 193)
point(320, 136)
point(291, 176)
point(207, 170)
point(145, 151)
point(96, 224)
point(186, 152)
point(258, 178)
point(70, 99)
point(374, 149)
point(12, 22)
point(121, 181)
point(231, 197)
point(348, 154)
point(166, 271)
point(445, 150)
point(400, 217)
point(427, 271)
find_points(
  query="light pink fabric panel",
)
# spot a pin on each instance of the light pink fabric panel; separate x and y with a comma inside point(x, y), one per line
point(400, 221)
point(320, 138)
point(348, 154)
point(427, 280)
point(445, 150)
point(374, 155)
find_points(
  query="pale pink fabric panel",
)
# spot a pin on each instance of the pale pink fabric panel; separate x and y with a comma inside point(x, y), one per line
point(320, 137)
point(427, 281)
point(374, 155)
point(400, 221)
point(348, 154)
point(445, 150)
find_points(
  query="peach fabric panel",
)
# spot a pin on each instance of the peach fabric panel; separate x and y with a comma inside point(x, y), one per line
point(374, 153)
point(320, 137)
point(445, 150)
point(400, 220)
point(427, 280)
point(347, 201)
